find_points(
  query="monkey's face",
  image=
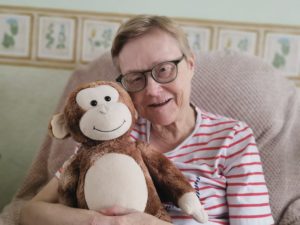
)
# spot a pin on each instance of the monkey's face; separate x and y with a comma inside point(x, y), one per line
point(105, 116)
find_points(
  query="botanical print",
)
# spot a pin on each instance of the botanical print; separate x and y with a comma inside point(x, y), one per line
point(97, 38)
point(56, 38)
point(49, 37)
point(282, 51)
point(14, 35)
point(241, 41)
point(198, 37)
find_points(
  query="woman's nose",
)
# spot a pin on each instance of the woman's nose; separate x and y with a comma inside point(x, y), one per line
point(152, 86)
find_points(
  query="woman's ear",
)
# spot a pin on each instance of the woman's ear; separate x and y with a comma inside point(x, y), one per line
point(57, 126)
point(190, 60)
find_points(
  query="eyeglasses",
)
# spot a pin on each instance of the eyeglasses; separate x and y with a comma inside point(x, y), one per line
point(162, 73)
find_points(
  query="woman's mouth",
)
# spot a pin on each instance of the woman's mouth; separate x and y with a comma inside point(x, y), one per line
point(159, 104)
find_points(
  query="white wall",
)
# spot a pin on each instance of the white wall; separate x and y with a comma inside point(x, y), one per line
point(261, 11)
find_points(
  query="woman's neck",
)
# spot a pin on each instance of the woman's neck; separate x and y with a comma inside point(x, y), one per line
point(166, 138)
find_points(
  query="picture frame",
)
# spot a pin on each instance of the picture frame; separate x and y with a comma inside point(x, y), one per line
point(29, 46)
point(56, 38)
point(244, 41)
point(97, 38)
point(15, 35)
point(199, 38)
point(282, 51)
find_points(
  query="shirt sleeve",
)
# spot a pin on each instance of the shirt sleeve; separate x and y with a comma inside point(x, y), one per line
point(66, 163)
point(247, 194)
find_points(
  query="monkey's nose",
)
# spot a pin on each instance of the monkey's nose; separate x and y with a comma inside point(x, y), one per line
point(103, 109)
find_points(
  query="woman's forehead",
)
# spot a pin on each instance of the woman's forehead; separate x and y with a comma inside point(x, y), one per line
point(148, 50)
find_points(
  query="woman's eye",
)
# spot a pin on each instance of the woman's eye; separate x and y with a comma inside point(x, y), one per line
point(107, 98)
point(93, 103)
point(137, 79)
point(165, 69)
point(162, 69)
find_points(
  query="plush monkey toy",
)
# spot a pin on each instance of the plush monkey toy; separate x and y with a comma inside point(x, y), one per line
point(110, 168)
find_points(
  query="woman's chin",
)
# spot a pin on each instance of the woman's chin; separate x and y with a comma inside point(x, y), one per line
point(162, 120)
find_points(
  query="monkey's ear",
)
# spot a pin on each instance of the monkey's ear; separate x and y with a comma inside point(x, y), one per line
point(57, 126)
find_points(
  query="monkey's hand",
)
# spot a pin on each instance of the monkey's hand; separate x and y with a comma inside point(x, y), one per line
point(191, 205)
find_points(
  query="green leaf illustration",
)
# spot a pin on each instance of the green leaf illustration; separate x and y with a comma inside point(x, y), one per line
point(107, 37)
point(196, 42)
point(285, 45)
point(14, 27)
point(8, 41)
point(278, 61)
point(49, 35)
point(61, 37)
point(97, 43)
point(243, 44)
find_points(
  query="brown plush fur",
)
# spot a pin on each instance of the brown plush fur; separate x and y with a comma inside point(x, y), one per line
point(156, 167)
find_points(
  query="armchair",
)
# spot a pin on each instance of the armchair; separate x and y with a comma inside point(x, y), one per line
point(227, 83)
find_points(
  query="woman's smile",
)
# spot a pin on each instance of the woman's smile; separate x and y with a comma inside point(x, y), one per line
point(159, 104)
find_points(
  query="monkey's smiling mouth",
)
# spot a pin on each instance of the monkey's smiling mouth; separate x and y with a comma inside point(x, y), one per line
point(94, 128)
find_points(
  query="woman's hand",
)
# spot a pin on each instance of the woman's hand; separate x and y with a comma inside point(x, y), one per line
point(117, 211)
point(45, 209)
point(123, 216)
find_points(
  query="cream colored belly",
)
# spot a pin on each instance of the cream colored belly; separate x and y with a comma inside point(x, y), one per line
point(115, 179)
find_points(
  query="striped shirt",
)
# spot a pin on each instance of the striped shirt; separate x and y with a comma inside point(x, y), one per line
point(221, 161)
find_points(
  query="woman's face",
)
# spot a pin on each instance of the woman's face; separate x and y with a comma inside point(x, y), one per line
point(162, 104)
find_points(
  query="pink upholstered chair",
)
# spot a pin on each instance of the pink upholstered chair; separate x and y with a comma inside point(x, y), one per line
point(227, 83)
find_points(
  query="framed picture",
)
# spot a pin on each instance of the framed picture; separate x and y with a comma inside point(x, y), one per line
point(15, 33)
point(199, 38)
point(238, 40)
point(282, 51)
point(56, 38)
point(97, 38)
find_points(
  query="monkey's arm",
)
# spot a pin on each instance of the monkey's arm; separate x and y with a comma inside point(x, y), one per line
point(68, 182)
point(171, 183)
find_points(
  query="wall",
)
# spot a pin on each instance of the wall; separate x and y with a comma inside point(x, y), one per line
point(266, 11)
point(28, 95)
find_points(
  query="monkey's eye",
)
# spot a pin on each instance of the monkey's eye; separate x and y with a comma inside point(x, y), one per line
point(107, 98)
point(93, 103)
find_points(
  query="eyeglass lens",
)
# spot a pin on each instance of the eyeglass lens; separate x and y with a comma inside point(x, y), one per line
point(162, 73)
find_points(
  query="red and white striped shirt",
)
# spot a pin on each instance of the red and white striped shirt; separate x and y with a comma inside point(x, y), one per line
point(222, 163)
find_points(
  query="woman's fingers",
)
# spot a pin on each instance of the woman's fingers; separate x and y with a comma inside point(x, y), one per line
point(116, 211)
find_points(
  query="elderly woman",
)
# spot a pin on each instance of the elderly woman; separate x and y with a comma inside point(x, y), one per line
point(218, 155)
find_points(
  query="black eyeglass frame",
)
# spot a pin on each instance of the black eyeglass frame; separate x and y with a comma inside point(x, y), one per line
point(175, 62)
